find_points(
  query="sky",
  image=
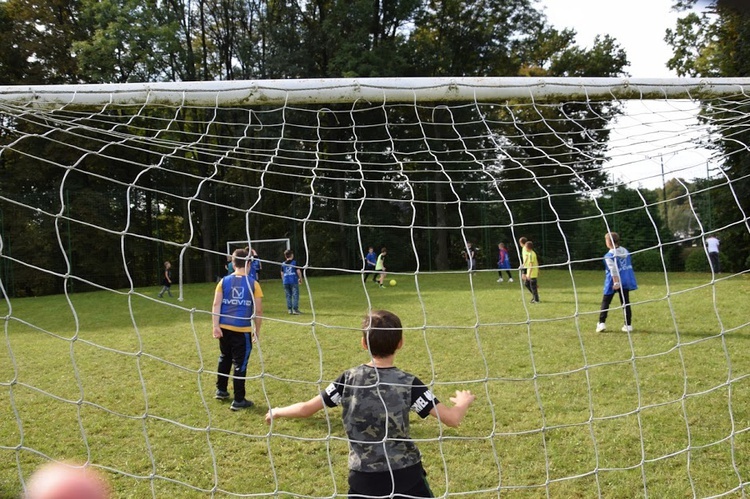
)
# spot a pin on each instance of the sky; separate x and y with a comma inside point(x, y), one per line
point(639, 26)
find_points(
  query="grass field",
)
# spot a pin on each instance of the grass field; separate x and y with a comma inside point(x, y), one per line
point(126, 381)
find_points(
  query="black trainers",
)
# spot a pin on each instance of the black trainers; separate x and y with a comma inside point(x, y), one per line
point(221, 395)
point(242, 404)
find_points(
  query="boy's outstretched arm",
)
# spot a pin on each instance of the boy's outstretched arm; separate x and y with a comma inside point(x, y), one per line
point(298, 410)
point(452, 416)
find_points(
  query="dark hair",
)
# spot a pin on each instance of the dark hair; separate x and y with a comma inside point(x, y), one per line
point(382, 332)
point(522, 241)
point(239, 258)
point(288, 254)
point(614, 238)
point(529, 245)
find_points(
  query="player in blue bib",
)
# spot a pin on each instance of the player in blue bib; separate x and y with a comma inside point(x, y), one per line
point(291, 277)
point(619, 278)
point(237, 311)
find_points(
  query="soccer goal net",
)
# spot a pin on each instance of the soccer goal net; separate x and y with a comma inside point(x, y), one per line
point(101, 185)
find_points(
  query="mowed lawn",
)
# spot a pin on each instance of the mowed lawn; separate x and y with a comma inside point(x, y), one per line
point(125, 381)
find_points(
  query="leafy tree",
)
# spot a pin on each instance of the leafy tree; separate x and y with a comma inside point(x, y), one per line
point(127, 41)
point(717, 43)
point(185, 40)
point(36, 37)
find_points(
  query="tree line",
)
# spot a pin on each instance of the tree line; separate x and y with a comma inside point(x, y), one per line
point(172, 213)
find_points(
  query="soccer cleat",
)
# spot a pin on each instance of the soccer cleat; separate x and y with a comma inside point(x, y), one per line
point(242, 404)
point(510, 280)
point(221, 395)
point(500, 280)
point(627, 329)
point(600, 327)
point(296, 312)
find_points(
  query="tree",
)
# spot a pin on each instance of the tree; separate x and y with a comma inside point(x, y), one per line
point(36, 38)
point(717, 43)
point(127, 41)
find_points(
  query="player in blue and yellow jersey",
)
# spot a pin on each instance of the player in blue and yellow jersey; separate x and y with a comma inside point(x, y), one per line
point(237, 312)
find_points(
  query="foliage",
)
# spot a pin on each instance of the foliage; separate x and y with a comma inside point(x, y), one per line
point(128, 41)
point(183, 40)
point(696, 260)
point(717, 43)
point(36, 38)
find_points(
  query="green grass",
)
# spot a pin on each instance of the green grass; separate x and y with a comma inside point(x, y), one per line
point(126, 381)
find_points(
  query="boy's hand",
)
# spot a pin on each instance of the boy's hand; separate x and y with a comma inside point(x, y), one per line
point(268, 417)
point(217, 332)
point(463, 398)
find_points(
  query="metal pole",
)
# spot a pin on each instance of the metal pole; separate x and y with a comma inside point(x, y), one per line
point(664, 194)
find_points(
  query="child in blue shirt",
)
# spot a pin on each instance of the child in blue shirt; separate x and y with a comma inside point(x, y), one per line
point(619, 278)
point(371, 259)
point(503, 263)
point(291, 277)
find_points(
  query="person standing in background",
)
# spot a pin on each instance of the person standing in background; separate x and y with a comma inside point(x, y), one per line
point(229, 266)
point(531, 274)
point(503, 263)
point(166, 280)
point(380, 266)
point(712, 245)
point(371, 260)
point(291, 278)
point(255, 265)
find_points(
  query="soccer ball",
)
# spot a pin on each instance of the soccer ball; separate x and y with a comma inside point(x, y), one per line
point(393, 282)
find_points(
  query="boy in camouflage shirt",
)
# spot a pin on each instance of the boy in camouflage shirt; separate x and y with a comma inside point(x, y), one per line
point(376, 399)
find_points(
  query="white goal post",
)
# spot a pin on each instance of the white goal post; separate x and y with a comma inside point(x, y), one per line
point(232, 245)
point(337, 91)
point(100, 185)
point(270, 251)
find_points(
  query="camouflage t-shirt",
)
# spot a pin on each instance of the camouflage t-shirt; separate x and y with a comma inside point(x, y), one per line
point(376, 404)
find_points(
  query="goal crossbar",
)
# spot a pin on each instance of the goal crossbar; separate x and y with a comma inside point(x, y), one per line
point(342, 90)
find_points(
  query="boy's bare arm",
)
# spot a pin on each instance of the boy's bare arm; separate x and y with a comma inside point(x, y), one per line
point(298, 410)
point(452, 416)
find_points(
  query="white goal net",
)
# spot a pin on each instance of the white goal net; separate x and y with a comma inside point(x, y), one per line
point(101, 185)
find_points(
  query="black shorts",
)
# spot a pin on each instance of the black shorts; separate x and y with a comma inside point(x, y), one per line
point(406, 482)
